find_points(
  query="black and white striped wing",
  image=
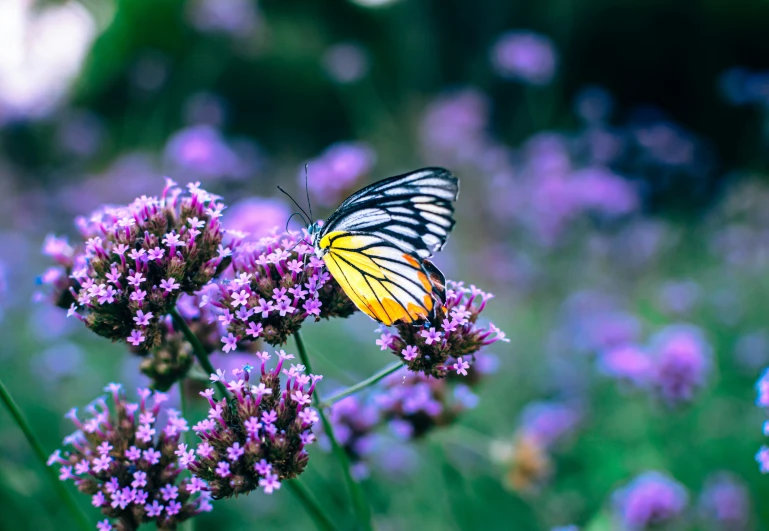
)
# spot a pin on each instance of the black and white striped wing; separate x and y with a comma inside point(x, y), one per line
point(412, 211)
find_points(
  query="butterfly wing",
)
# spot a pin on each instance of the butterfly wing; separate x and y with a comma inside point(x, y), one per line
point(383, 281)
point(412, 211)
point(376, 243)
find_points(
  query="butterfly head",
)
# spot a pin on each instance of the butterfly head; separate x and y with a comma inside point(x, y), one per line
point(314, 231)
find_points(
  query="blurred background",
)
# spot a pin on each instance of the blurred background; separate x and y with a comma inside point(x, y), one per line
point(613, 165)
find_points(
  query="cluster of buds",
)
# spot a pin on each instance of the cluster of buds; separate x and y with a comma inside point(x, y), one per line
point(258, 436)
point(137, 259)
point(450, 340)
point(278, 283)
point(131, 467)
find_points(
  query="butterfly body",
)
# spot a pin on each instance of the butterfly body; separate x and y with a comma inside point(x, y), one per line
point(376, 244)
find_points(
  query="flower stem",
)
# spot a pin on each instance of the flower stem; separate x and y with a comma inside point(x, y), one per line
point(371, 380)
point(69, 501)
point(317, 514)
point(362, 509)
point(197, 347)
point(189, 524)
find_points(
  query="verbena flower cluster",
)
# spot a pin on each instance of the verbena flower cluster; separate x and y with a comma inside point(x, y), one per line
point(355, 421)
point(649, 501)
point(409, 404)
point(762, 401)
point(674, 366)
point(277, 284)
point(448, 342)
point(724, 504)
point(257, 437)
point(413, 404)
point(129, 465)
point(137, 259)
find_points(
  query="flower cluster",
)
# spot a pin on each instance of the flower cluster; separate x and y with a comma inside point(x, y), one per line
point(762, 401)
point(651, 499)
point(724, 504)
point(674, 366)
point(129, 466)
point(354, 423)
point(278, 283)
point(137, 259)
point(257, 437)
point(409, 404)
point(336, 172)
point(413, 404)
point(525, 56)
point(527, 457)
point(450, 340)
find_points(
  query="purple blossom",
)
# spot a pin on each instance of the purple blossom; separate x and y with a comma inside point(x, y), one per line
point(525, 56)
point(651, 499)
point(118, 486)
point(337, 171)
point(273, 273)
point(725, 501)
point(549, 422)
point(245, 431)
point(435, 352)
point(129, 242)
point(682, 363)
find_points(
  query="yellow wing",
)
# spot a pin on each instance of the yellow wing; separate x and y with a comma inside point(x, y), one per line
point(383, 281)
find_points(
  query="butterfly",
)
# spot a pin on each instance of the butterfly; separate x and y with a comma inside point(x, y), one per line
point(376, 245)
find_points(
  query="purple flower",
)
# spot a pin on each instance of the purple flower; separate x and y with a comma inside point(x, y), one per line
point(762, 458)
point(337, 171)
point(238, 18)
point(230, 342)
point(762, 390)
point(627, 362)
point(725, 501)
point(525, 56)
point(118, 485)
point(682, 363)
point(549, 422)
point(256, 217)
point(651, 499)
point(246, 432)
point(118, 280)
point(451, 334)
point(269, 483)
point(274, 272)
point(202, 150)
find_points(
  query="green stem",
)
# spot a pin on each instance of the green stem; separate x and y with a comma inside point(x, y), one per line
point(362, 509)
point(189, 524)
point(322, 521)
point(75, 510)
point(371, 380)
point(197, 347)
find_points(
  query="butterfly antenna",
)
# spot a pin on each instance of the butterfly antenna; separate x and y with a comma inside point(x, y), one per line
point(291, 217)
point(306, 217)
point(307, 191)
